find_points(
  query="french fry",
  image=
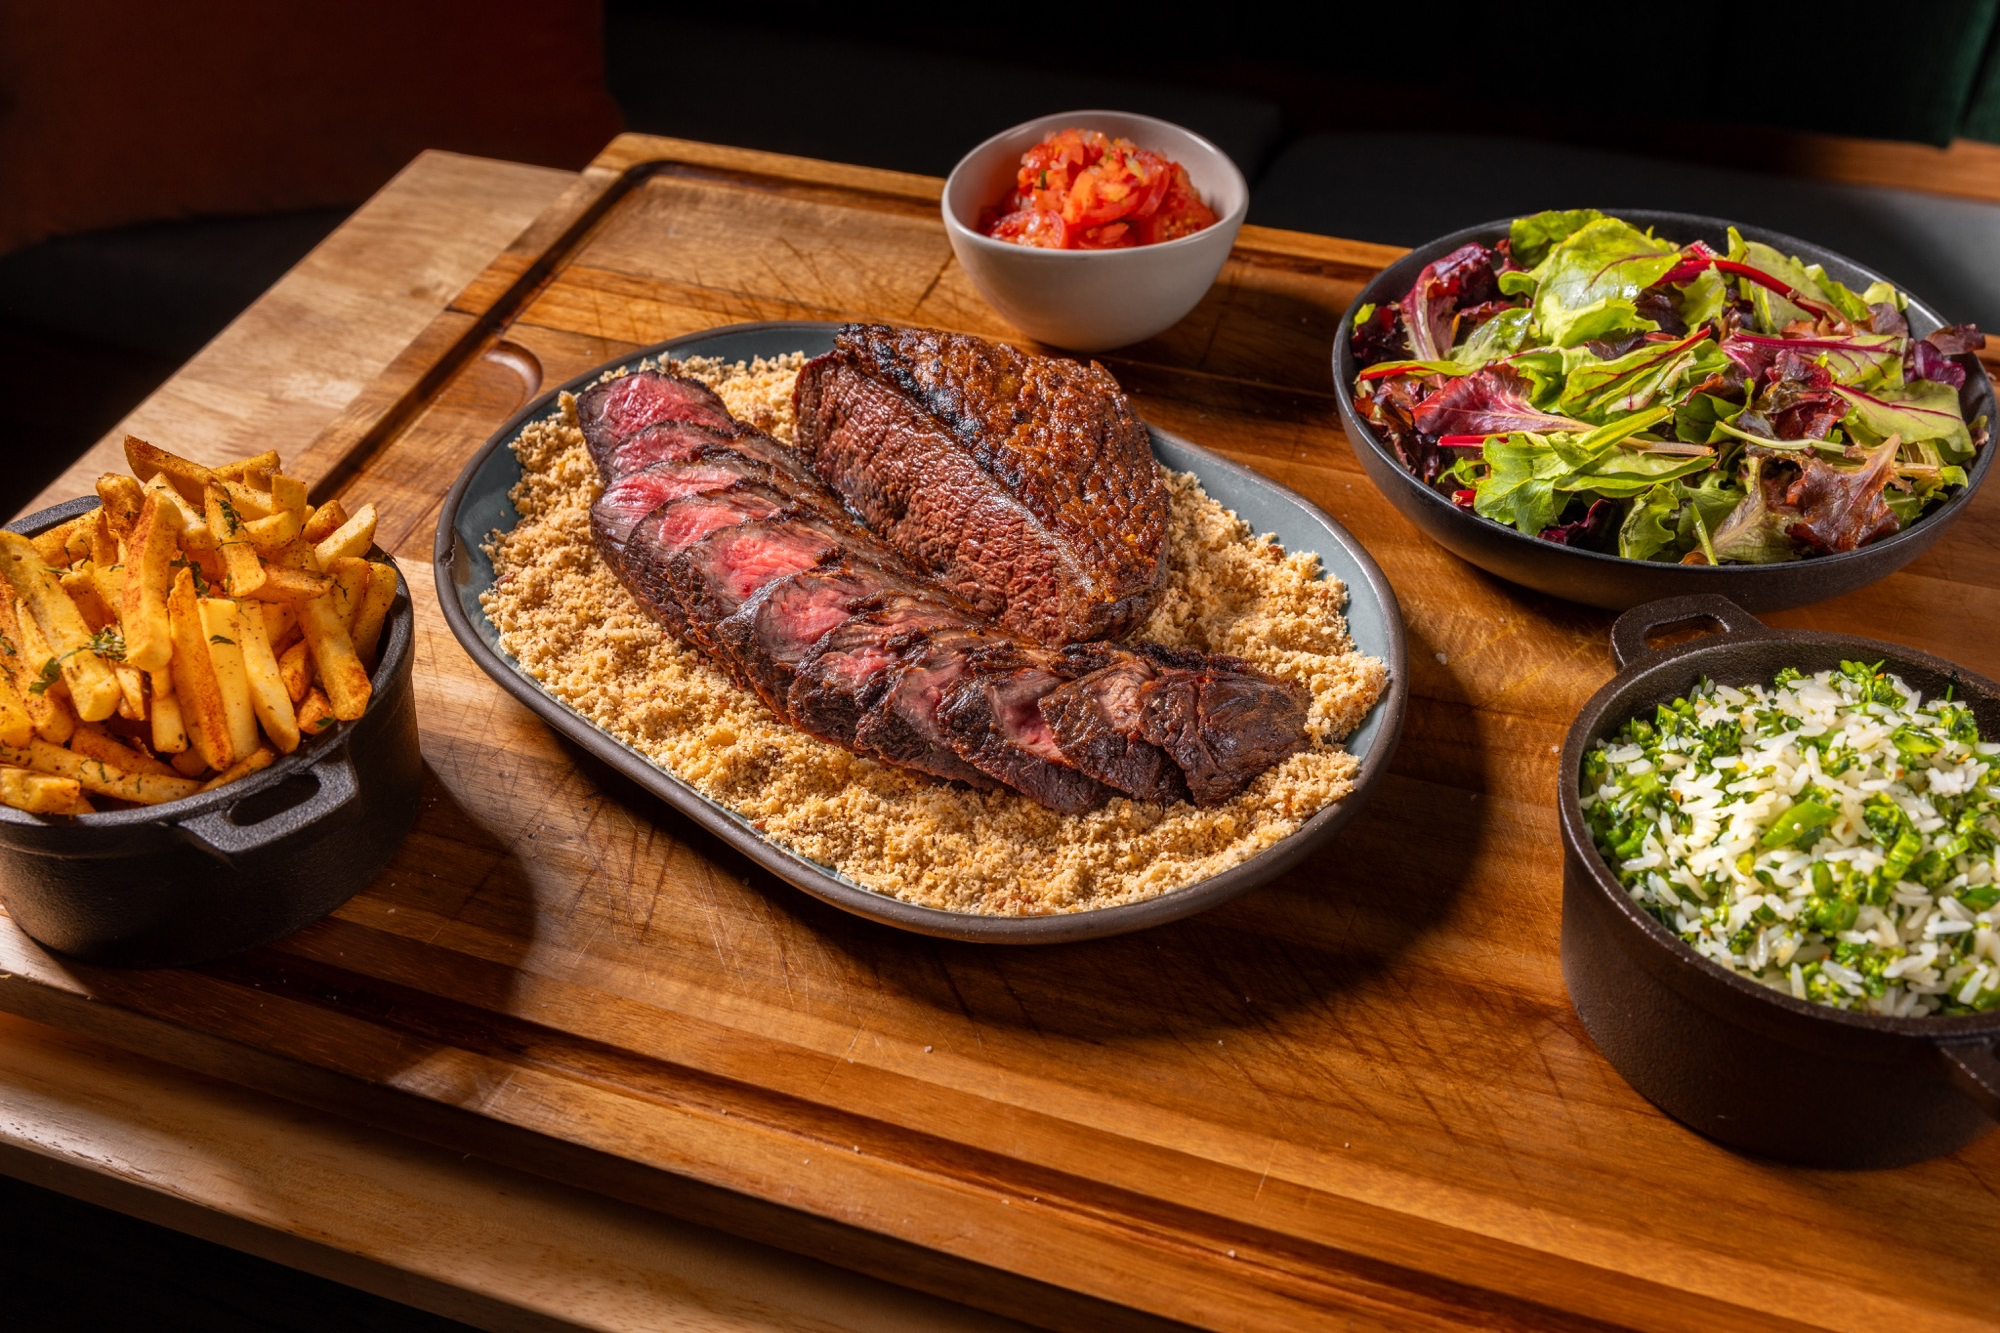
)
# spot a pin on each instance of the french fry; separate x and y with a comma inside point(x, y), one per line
point(93, 690)
point(280, 621)
point(119, 498)
point(98, 776)
point(94, 742)
point(239, 558)
point(66, 541)
point(295, 667)
point(80, 806)
point(189, 763)
point(149, 572)
point(324, 521)
point(352, 538)
point(288, 494)
point(261, 757)
point(80, 582)
point(283, 583)
point(107, 561)
point(38, 793)
point(223, 628)
point(203, 711)
point(340, 672)
point(183, 474)
point(194, 533)
point(131, 691)
point(373, 611)
point(274, 532)
point(316, 713)
point(246, 470)
point(250, 502)
point(20, 645)
point(169, 732)
point(16, 727)
point(269, 698)
point(350, 584)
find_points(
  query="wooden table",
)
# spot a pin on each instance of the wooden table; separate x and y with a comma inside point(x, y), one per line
point(1359, 1096)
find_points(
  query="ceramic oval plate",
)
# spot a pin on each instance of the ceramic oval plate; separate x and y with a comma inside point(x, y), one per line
point(478, 504)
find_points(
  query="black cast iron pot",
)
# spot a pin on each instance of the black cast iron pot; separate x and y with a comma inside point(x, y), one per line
point(1611, 581)
point(223, 871)
point(1749, 1066)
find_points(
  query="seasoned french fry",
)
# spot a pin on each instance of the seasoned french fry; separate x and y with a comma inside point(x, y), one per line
point(194, 533)
point(94, 742)
point(295, 666)
point(184, 474)
point(80, 582)
point(203, 711)
point(269, 698)
point(280, 620)
point(38, 793)
point(169, 732)
point(96, 775)
point(350, 584)
point(107, 561)
point(22, 645)
point(118, 499)
point(80, 806)
point(223, 628)
point(92, 688)
point(288, 494)
point(316, 713)
point(340, 672)
point(131, 691)
point(246, 470)
point(250, 503)
point(239, 558)
point(189, 763)
point(373, 610)
point(324, 521)
point(16, 727)
point(66, 541)
point(283, 583)
point(352, 538)
point(274, 532)
point(261, 757)
point(149, 573)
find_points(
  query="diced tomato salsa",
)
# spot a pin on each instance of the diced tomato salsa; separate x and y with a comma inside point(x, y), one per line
point(1081, 190)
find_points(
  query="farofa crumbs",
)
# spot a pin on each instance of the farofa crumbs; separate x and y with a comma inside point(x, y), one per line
point(575, 630)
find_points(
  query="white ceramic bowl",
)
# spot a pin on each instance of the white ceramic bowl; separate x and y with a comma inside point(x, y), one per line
point(1090, 300)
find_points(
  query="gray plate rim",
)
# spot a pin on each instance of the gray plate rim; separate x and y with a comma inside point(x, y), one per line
point(456, 556)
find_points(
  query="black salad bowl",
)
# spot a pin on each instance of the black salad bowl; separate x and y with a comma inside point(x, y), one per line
point(1751, 1067)
point(1610, 581)
point(226, 870)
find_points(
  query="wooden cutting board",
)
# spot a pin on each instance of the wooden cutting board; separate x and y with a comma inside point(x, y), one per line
point(1357, 1097)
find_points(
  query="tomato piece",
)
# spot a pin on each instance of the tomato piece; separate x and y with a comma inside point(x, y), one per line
point(1110, 236)
point(1030, 226)
point(1181, 212)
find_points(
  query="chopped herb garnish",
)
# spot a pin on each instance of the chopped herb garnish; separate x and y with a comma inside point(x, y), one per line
point(217, 638)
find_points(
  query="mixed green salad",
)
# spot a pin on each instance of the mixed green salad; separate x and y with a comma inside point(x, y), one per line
point(1589, 383)
point(1831, 835)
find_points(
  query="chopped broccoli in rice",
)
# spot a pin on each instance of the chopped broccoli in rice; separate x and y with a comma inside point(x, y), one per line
point(1831, 835)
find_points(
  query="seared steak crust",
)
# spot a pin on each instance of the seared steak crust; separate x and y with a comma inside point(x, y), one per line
point(1223, 726)
point(1026, 484)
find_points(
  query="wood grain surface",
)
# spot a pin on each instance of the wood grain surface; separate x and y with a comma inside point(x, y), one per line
point(1359, 1097)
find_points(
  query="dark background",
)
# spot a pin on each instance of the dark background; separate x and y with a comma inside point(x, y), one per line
point(162, 165)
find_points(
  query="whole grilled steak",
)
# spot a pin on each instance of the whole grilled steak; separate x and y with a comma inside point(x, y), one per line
point(1025, 484)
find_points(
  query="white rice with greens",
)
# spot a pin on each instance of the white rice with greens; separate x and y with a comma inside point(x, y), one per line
point(1831, 836)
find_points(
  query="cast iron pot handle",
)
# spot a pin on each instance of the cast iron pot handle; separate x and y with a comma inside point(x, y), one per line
point(216, 833)
point(1629, 631)
point(1975, 1068)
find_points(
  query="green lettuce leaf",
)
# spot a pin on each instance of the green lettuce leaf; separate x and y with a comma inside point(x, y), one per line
point(1503, 335)
point(1669, 520)
point(1530, 238)
point(1519, 486)
point(1753, 534)
point(1625, 474)
point(1703, 298)
point(1702, 418)
point(1921, 411)
point(1598, 390)
point(1586, 284)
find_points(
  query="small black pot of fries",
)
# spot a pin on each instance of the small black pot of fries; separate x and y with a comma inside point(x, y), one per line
point(208, 732)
